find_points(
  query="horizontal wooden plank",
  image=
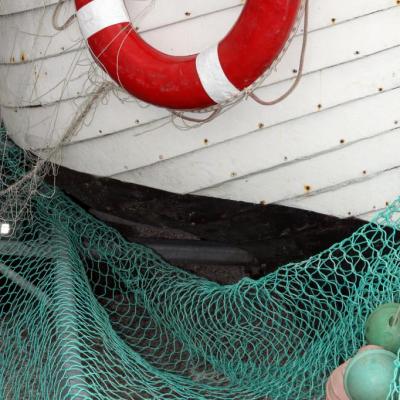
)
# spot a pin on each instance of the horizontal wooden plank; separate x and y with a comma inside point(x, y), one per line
point(317, 174)
point(357, 198)
point(43, 126)
point(382, 215)
point(272, 147)
point(160, 11)
point(329, 88)
point(38, 38)
point(8, 7)
point(30, 36)
point(369, 216)
point(44, 82)
point(327, 10)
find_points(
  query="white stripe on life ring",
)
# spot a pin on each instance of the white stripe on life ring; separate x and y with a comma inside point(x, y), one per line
point(100, 14)
point(216, 84)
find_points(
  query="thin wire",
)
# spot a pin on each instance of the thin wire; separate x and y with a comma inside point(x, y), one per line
point(299, 71)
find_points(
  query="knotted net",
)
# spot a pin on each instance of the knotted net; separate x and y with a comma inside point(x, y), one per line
point(86, 315)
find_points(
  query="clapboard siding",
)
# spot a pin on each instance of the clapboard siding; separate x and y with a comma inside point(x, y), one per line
point(39, 40)
point(9, 7)
point(331, 39)
point(44, 80)
point(50, 42)
point(369, 216)
point(317, 150)
point(319, 133)
point(330, 88)
point(318, 173)
point(362, 197)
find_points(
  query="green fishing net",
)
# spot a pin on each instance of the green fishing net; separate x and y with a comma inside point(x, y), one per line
point(86, 315)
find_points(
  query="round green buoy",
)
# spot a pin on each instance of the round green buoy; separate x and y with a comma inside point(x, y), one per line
point(369, 375)
point(382, 329)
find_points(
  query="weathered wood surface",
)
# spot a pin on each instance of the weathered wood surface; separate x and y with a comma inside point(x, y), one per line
point(331, 147)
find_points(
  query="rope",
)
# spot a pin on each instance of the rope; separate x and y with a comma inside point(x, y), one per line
point(211, 117)
point(300, 69)
point(71, 131)
point(56, 14)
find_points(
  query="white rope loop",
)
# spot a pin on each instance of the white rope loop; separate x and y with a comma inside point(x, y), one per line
point(55, 17)
point(299, 70)
point(214, 114)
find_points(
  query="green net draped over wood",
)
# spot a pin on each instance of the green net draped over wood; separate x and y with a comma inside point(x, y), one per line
point(86, 315)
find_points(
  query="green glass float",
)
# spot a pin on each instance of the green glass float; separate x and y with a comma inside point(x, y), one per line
point(382, 329)
point(369, 375)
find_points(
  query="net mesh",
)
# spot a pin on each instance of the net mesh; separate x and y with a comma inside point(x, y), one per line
point(86, 315)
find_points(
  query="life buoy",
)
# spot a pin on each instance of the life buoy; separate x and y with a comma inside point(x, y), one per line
point(214, 76)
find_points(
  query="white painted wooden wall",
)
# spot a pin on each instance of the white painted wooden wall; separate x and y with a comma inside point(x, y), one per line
point(331, 147)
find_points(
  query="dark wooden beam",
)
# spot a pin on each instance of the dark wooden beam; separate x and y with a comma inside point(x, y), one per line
point(273, 234)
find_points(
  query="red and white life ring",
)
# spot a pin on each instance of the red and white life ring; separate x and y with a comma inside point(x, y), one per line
point(211, 77)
